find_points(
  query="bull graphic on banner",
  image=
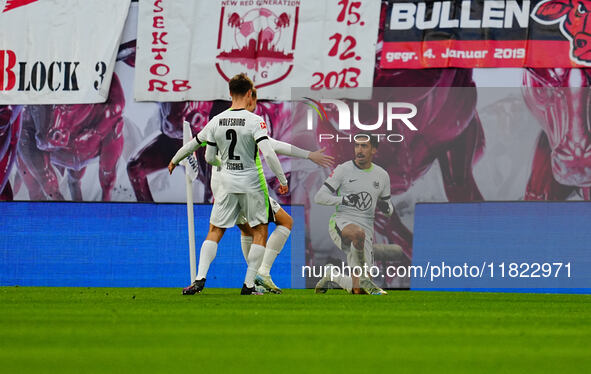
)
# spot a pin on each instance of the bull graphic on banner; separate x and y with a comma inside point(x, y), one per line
point(573, 16)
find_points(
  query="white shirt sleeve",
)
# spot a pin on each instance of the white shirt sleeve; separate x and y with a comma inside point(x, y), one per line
point(335, 179)
point(211, 155)
point(271, 159)
point(325, 196)
point(202, 135)
point(287, 149)
point(259, 129)
point(326, 193)
point(212, 148)
point(185, 151)
point(386, 195)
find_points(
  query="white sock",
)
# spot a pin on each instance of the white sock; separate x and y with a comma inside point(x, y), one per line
point(245, 242)
point(275, 244)
point(345, 282)
point(208, 251)
point(359, 255)
point(255, 257)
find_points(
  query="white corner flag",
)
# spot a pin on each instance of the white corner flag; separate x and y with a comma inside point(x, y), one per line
point(190, 163)
point(191, 172)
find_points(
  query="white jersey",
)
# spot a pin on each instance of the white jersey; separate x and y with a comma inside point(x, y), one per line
point(368, 184)
point(236, 134)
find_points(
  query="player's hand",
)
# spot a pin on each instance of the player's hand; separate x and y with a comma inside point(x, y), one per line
point(383, 206)
point(351, 199)
point(283, 189)
point(171, 167)
point(319, 158)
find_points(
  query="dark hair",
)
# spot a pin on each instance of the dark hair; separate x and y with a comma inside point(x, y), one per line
point(240, 84)
point(373, 140)
point(254, 93)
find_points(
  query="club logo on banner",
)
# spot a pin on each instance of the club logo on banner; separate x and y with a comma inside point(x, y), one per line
point(261, 40)
point(479, 33)
point(189, 49)
point(67, 62)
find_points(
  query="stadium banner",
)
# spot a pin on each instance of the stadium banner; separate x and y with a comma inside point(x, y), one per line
point(189, 49)
point(479, 33)
point(58, 52)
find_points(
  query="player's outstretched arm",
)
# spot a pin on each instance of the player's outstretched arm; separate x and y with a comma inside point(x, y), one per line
point(318, 157)
point(183, 153)
point(273, 162)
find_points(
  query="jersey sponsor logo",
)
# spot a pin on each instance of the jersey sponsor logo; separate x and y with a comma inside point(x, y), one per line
point(360, 201)
point(365, 201)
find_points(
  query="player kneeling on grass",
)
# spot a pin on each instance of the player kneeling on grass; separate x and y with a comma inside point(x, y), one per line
point(357, 188)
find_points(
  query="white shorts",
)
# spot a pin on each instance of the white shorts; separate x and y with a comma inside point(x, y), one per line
point(336, 225)
point(228, 209)
point(275, 206)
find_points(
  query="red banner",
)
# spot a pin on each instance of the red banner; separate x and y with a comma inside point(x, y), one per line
point(478, 33)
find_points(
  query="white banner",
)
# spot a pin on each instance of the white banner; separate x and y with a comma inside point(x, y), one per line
point(189, 49)
point(58, 51)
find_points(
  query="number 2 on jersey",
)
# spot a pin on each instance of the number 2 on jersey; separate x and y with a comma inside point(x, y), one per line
point(232, 137)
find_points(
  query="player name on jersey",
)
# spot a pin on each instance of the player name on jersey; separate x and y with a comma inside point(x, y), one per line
point(234, 166)
point(232, 121)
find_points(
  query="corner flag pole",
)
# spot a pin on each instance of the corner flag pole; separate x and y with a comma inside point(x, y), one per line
point(191, 223)
point(190, 176)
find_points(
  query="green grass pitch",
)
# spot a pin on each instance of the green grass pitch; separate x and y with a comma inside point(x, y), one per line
point(147, 330)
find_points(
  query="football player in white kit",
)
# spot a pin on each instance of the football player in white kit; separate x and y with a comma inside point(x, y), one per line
point(356, 188)
point(237, 135)
point(283, 220)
